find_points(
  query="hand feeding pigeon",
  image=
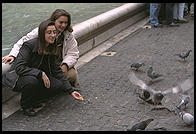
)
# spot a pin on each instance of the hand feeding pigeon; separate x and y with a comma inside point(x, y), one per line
point(156, 97)
point(187, 118)
point(184, 101)
point(141, 125)
point(137, 65)
point(152, 74)
point(183, 55)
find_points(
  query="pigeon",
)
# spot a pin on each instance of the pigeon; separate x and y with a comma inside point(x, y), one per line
point(184, 101)
point(152, 74)
point(187, 118)
point(141, 125)
point(157, 96)
point(137, 65)
point(183, 55)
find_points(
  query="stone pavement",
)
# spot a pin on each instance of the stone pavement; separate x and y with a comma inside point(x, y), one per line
point(110, 100)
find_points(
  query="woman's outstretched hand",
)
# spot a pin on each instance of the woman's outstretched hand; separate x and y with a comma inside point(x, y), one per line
point(77, 95)
point(46, 80)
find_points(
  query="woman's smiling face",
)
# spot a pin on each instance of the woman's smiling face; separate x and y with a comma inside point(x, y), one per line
point(50, 34)
point(61, 23)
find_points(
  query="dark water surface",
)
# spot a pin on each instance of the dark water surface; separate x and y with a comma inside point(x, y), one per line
point(20, 18)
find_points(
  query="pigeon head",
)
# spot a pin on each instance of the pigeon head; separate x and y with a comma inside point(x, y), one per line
point(149, 120)
point(189, 51)
point(158, 98)
point(146, 94)
point(149, 70)
point(143, 64)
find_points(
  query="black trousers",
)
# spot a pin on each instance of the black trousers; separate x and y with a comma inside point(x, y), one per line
point(33, 90)
point(166, 13)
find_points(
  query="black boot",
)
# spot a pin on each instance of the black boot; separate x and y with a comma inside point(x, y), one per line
point(29, 112)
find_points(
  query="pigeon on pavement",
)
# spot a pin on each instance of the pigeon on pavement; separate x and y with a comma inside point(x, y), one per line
point(141, 125)
point(136, 66)
point(187, 118)
point(157, 96)
point(183, 55)
point(184, 101)
point(152, 74)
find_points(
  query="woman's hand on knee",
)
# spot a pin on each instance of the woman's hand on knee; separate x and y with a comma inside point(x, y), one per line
point(46, 80)
point(9, 59)
point(64, 69)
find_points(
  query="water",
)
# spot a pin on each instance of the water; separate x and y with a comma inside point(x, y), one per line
point(18, 19)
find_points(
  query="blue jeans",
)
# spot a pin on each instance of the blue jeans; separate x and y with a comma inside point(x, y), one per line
point(154, 13)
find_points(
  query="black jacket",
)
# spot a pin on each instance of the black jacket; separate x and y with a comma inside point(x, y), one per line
point(28, 62)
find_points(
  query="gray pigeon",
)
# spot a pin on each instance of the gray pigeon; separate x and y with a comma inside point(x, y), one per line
point(157, 96)
point(183, 55)
point(187, 118)
point(136, 66)
point(152, 74)
point(141, 125)
point(184, 101)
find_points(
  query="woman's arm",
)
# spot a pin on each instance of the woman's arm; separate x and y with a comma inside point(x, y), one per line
point(70, 51)
point(22, 62)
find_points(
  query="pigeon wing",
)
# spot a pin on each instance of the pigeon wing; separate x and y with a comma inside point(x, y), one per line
point(136, 81)
point(182, 87)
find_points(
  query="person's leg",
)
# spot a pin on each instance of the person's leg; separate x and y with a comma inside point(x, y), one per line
point(154, 12)
point(181, 11)
point(189, 7)
point(169, 12)
point(175, 11)
point(72, 76)
point(29, 86)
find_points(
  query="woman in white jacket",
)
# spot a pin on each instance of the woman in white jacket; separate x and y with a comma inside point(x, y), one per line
point(68, 52)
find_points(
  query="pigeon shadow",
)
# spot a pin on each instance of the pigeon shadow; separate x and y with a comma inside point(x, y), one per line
point(139, 71)
point(181, 61)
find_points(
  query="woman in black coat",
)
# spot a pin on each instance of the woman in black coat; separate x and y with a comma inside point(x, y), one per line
point(39, 75)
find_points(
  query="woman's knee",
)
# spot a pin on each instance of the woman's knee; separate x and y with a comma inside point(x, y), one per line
point(72, 75)
point(27, 82)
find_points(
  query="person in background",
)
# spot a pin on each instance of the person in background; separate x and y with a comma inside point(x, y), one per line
point(187, 8)
point(178, 13)
point(39, 74)
point(68, 52)
point(154, 13)
point(169, 15)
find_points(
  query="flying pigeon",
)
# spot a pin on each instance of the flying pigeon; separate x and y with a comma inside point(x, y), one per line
point(152, 74)
point(136, 66)
point(184, 101)
point(141, 125)
point(187, 118)
point(157, 96)
point(183, 55)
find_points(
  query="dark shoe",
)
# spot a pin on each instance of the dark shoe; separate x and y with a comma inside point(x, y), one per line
point(183, 21)
point(173, 25)
point(176, 20)
point(159, 25)
point(29, 112)
point(39, 105)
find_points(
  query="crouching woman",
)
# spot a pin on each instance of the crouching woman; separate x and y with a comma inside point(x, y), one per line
point(39, 75)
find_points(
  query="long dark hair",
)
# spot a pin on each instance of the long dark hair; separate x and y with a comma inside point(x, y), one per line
point(52, 48)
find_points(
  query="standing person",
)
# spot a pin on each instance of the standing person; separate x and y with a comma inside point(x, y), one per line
point(178, 13)
point(169, 15)
point(154, 13)
point(68, 50)
point(39, 75)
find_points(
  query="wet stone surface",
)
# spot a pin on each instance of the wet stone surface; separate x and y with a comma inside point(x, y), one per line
point(110, 100)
